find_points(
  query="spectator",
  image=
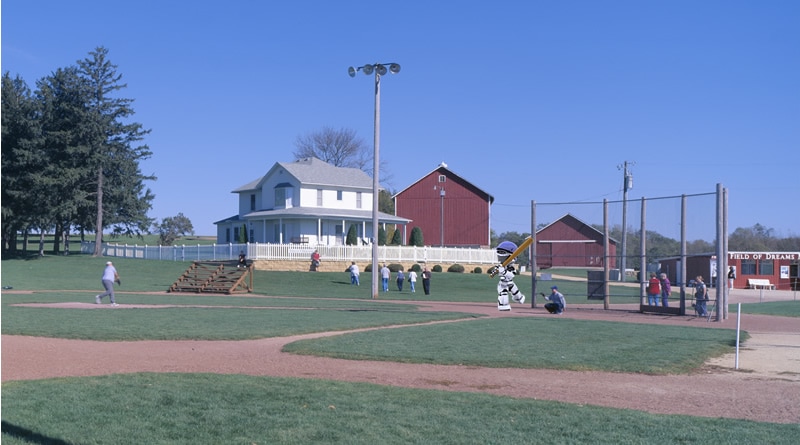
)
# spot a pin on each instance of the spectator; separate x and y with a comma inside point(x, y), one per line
point(400, 279)
point(426, 280)
point(353, 269)
point(666, 289)
point(385, 274)
point(653, 290)
point(412, 280)
point(701, 295)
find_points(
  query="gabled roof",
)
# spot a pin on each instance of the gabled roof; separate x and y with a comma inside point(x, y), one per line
point(315, 172)
point(569, 215)
point(443, 169)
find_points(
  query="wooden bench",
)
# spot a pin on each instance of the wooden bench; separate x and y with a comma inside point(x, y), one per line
point(754, 283)
point(300, 239)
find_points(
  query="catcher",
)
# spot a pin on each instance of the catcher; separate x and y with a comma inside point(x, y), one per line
point(506, 286)
point(556, 300)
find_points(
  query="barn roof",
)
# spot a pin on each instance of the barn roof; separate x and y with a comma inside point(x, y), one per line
point(573, 217)
point(443, 169)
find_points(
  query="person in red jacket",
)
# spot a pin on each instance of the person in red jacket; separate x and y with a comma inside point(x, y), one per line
point(653, 290)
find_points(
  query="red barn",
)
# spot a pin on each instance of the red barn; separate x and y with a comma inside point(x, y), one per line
point(570, 242)
point(449, 209)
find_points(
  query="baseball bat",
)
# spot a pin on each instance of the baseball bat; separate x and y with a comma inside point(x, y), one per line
point(525, 244)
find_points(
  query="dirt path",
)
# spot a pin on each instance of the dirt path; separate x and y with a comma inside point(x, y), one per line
point(766, 387)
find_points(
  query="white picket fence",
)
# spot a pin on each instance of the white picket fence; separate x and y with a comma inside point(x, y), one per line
point(267, 251)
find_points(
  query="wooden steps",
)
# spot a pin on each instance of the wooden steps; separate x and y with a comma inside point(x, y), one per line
point(215, 277)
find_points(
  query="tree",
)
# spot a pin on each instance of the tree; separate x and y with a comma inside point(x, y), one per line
point(342, 148)
point(416, 238)
point(397, 238)
point(352, 236)
point(243, 235)
point(385, 202)
point(381, 236)
point(22, 159)
point(173, 227)
point(112, 154)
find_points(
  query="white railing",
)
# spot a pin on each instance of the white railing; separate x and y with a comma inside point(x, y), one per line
point(261, 251)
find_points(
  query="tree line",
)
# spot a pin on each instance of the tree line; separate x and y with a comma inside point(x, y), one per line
point(70, 156)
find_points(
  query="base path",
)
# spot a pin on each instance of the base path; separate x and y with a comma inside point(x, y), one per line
point(766, 387)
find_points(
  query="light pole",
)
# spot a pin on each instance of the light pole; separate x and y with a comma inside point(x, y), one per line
point(379, 69)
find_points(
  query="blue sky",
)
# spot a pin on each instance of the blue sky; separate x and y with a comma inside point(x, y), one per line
point(537, 100)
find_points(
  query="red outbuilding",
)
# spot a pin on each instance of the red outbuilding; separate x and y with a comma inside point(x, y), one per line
point(570, 242)
point(448, 209)
point(770, 270)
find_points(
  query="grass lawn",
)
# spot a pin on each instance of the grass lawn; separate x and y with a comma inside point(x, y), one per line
point(235, 409)
point(201, 408)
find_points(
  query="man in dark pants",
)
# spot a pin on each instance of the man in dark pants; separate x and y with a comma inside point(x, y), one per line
point(426, 280)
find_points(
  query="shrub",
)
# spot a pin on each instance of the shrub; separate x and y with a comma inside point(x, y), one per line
point(456, 268)
point(436, 268)
point(416, 268)
point(477, 270)
point(394, 267)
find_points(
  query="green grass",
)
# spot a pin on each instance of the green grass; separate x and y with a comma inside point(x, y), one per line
point(200, 408)
point(82, 272)
point(552, 343)
point(236, 409)
point(778, 308)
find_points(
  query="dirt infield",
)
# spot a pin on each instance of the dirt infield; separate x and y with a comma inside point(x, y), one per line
point(766, 387)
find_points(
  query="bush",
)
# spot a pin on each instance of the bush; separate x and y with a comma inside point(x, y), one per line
point(394, 267)
point(436, 268)
point(477, 270)
point(456, 268)
point(416, 268)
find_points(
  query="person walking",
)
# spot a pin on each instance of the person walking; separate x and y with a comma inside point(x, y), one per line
point(412, 280)
point(354, 273)
point(400, 279)
point(426, 280)
point(385, 274)
point(731, 276)
point(653, 290)
point(110, 275)
point(666, 289)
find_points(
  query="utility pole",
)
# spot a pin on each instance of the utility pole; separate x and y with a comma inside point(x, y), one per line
point(627, 184)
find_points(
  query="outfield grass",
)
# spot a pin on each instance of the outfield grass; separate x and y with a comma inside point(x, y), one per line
point(199, 408)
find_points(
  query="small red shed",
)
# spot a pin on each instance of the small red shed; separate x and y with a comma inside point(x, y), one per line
point(448, 209)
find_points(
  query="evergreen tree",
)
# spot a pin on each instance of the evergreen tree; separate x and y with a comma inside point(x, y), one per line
point(119, 192)
point(21, 159)
point(397, 239)
point(352, 236)
point(416, 238)
point(381, 236)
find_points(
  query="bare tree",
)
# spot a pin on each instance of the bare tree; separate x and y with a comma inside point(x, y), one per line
point(342, 148)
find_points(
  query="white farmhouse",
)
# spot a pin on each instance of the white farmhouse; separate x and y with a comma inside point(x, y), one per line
point(307, 201)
